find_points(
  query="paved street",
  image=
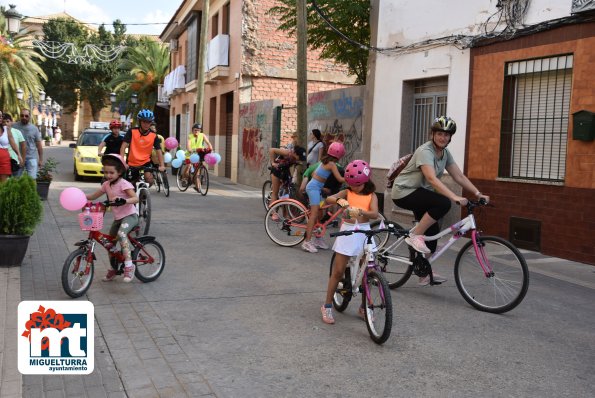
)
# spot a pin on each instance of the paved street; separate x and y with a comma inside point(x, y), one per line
point(234, 315)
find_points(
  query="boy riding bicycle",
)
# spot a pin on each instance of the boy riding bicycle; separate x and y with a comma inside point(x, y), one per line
point(199, 143)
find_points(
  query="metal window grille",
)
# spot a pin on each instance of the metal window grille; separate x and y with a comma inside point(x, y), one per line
point(429, 102)
point(534, 130)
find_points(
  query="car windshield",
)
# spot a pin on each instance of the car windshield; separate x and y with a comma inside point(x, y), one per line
point(91, 139)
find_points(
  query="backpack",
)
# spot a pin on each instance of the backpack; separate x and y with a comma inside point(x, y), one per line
point(396, 169)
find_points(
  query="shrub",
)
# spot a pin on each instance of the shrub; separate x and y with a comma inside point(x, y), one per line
point(20, 207)
point(44, 173)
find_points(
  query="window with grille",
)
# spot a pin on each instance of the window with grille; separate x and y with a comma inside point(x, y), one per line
point(429, 102)
point(534, 130)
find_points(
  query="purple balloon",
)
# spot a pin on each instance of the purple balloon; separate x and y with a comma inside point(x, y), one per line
point(210, 159)
point(171, 143)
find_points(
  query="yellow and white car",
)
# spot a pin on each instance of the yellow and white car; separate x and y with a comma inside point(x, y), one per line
point(86, 161)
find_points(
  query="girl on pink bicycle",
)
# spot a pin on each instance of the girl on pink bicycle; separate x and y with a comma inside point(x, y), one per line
point(361, 205)
point(121, 192)
point(328, 166)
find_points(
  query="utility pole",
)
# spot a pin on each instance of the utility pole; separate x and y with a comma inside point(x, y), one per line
point(302, 73)
point(202, 57)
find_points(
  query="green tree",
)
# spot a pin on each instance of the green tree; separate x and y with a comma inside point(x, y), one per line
point(141, 71)
point(19, 68)
point(352, 18)
point(72, 82)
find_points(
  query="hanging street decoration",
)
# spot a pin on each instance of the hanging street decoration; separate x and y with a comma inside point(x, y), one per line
point(69, 53)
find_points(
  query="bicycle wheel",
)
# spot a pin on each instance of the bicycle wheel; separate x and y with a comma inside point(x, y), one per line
point(149, 260)
point(394, 259)
point(505, 285)
point(203, 180)
point(182, 181)
point(76, 280)
point(157, 178)
point(343, 293)
point(144, 212)
point(165, 182)
point(381, 238)
point(266, 193)
point(285, 223)
point(379, 307)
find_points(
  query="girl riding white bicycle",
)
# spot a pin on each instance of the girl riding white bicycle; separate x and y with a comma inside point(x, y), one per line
point(361, 206)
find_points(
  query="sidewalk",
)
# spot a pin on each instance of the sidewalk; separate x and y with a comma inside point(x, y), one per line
point(143, 358)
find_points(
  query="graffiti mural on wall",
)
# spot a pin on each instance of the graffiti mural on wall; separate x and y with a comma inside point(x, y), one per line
point(338, 115)
point(255, 141)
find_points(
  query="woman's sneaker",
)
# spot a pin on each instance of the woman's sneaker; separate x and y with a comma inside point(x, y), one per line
point(320, 243)
point(327, 315)
point(110, 276)
point(426, 279)
point(129, 273)
point(418, 243)
point(309, 247)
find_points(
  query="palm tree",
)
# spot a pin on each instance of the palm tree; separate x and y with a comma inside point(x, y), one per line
point(19, 68)
point(140, 71)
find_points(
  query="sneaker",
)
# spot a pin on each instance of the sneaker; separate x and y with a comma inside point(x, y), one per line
point(327, 315)
point(426, 279)
point(110, 276)
point(320, 243)
point(129, 273)
point(417, 242)
point(309, 247)
point(275, 217)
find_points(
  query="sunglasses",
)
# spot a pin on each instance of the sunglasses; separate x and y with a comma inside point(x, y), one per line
point(24, 115)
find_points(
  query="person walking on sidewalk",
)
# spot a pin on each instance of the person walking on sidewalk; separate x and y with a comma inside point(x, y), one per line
point(418, 187)
point(121, 192)
point(34, 156)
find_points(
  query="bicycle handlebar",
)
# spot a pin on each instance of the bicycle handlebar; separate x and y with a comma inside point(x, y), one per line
point(368, 232)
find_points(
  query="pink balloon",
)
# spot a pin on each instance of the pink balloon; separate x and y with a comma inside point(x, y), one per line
point(210, 159)
point(72, 199)
point(171, 143)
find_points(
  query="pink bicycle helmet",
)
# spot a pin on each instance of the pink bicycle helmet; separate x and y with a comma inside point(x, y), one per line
point(116, 157)
point(357, 173)
point(336, 150)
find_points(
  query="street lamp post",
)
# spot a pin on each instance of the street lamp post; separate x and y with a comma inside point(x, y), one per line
point(13, 19)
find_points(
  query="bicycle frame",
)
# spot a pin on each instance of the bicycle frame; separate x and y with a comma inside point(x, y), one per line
point(319, 229)
point(108, 242)
point(369, 261)
point(458, 230)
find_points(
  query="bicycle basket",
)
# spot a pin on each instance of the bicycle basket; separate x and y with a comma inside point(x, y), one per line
point(91, 221)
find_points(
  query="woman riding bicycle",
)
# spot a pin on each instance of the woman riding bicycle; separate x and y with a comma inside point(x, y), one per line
point(418, 187)
point(199, 143)
point(281, 161)
point(121, 192)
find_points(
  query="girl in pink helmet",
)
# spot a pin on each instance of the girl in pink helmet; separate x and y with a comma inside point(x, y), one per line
point(362, 205)
point(328, 166)
point(121, 192)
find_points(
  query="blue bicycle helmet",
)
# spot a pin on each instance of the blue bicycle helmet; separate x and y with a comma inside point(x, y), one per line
point(145, 115)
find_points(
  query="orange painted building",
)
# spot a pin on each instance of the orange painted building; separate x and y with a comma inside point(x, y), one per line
point(522, 147)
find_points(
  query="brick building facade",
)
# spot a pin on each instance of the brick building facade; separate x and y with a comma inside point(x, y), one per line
point(260, 65)
point(553, 212)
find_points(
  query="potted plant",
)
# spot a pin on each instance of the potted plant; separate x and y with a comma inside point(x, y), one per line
point(47, 140)
point(45, 177)
point(20, 213)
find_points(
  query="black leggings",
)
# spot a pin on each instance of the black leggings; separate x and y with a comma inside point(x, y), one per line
point(423, 201)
